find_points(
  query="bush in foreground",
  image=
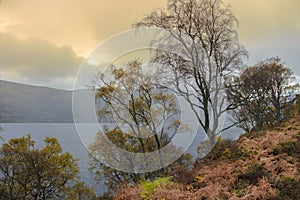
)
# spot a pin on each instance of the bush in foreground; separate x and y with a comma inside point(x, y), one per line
point(47, 173)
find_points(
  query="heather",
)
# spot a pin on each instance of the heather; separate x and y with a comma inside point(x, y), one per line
point(260, 165)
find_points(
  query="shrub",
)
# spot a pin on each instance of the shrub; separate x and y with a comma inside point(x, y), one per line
point(149, 187)
point(289, 188)
point(218, 150)
point(231, 150)
point(253, 173)
point(182, 175)
point(288, 147)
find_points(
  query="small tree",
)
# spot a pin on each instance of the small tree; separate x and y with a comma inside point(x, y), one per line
point(30, 173)
point(146, 120)
point(263, 93)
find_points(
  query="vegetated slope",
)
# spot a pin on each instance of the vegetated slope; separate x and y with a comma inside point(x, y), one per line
point(260, 165)
point(21, 103)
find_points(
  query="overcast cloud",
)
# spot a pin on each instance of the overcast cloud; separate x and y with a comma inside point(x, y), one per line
point(44, 42)
point(36, 60)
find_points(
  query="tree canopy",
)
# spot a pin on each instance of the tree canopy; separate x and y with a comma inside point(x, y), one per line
point(30, 173)
point(264, 94)
point(145, 120)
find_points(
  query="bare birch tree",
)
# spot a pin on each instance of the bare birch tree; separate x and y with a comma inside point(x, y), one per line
point(202, 49)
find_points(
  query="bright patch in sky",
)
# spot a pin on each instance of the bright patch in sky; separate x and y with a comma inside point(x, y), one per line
point(45, 42)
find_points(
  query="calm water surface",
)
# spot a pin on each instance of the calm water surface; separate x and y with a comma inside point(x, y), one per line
point(67, 137)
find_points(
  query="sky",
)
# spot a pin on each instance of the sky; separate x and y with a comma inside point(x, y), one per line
point(44, 42)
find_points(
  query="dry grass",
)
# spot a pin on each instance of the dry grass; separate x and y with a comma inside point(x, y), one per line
point(263, 165)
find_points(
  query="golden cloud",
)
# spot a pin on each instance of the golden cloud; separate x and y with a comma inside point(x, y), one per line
point(36, 59)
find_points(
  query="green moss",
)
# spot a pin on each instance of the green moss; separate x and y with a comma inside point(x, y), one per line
point(246, 152)
point(286, 124)
point(227, 153)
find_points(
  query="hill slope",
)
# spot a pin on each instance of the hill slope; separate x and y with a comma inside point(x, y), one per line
point(21, 103)
point(260, 165)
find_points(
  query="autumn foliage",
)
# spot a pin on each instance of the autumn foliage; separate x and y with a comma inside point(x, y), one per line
point(27, 172)
point(260, 165)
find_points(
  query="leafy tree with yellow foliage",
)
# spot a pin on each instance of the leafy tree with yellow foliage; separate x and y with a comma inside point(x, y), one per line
point(146, 119)
point(30, 173)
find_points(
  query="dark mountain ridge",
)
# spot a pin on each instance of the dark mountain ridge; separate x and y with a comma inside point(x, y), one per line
point(20, 103)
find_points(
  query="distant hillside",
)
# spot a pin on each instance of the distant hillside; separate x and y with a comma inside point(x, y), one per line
point(21, 103)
